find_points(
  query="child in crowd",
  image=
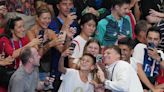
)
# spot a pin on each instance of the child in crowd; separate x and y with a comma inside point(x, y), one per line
point(79, 78)
point(92, 46)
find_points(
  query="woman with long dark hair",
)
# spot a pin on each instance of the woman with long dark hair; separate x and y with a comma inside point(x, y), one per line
point(13, 40)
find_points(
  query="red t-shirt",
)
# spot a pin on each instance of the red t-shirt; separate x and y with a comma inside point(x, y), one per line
point(160, 77)
point(133, 23)
point(8, 47)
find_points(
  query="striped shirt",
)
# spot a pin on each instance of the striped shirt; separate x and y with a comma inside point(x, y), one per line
point(161, 26)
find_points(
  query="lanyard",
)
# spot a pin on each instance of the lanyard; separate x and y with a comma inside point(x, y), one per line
point(20, 46)
point(12, 43)
point(120, 24)
point(62, 22)
point(113, 72)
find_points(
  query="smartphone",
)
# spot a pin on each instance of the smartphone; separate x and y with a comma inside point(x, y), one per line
point(72, 46)
point(41, 33)
point(99, 58)
point(62, 35)
point(73, 9)
point(151, 45)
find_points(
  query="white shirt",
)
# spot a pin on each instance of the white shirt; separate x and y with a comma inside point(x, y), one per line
point(80, 43)
point(124, 78)
point(71, 82)
point(133, 62)
point(139, 52)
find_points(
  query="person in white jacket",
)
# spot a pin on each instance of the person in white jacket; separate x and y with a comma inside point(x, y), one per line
point(121, 77)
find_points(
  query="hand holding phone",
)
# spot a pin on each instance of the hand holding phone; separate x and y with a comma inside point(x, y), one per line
point(48, 82)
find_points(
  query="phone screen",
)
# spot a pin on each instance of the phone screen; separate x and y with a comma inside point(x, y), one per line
point(62, 35)
point(72, 46)
point(41, 33)
point(151, 45)
point(99, 58)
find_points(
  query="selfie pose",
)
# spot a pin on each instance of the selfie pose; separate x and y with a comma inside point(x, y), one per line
point(74, 80)
point(149, 59)
point(119, 73)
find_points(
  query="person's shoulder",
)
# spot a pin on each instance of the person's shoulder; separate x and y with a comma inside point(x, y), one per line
point(4, 38)
point(71, 71)
point(140, 45)
point(121, 62)
point(18, 76)
point(77, 38)
point(104, 20)
point(126, 16)
point(53, 21)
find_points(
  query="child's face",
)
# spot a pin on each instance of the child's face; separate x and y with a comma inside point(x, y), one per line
point(86, 63)
point(93, 48)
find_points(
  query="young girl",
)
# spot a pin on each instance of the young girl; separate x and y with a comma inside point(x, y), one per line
point(92, 46)
point(12, 41)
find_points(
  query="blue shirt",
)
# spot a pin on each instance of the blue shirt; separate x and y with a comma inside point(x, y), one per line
point(56, 27)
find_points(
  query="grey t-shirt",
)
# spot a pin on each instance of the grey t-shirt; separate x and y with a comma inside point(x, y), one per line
point(21, 81)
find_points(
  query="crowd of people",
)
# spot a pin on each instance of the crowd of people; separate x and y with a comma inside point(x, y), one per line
point(81, 46)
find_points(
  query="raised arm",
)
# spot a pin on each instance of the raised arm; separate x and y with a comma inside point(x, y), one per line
point(61, 67)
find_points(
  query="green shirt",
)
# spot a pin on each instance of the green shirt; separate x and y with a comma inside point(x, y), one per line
point(102, 26)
